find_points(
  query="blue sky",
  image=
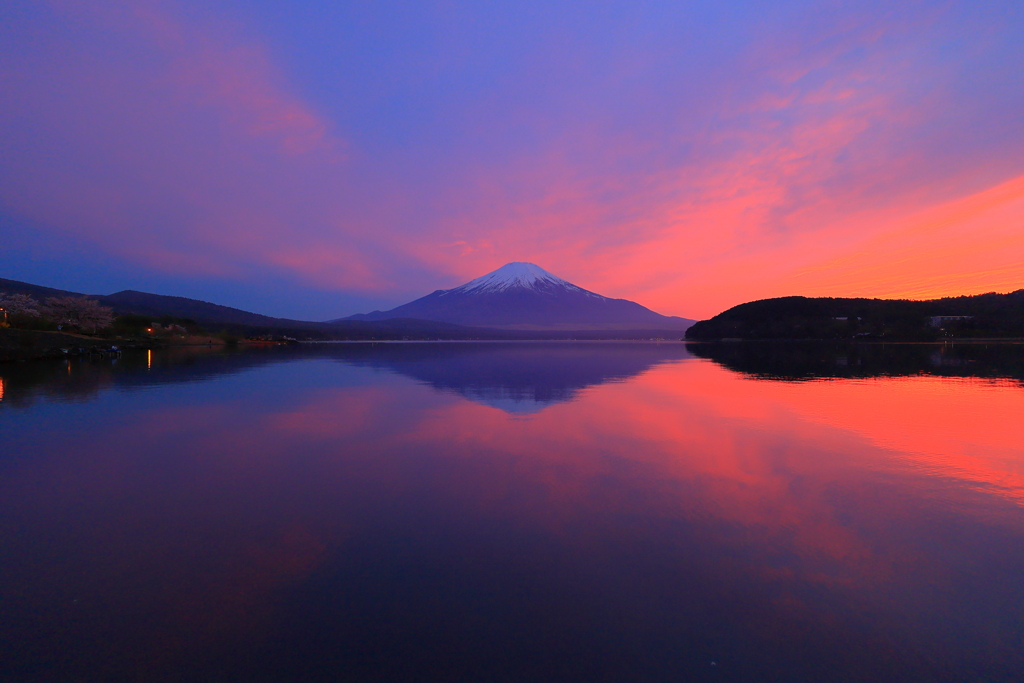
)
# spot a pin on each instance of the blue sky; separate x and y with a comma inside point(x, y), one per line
point(322, 159)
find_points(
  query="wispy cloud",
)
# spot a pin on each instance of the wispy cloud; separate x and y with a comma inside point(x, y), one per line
point(688, 158)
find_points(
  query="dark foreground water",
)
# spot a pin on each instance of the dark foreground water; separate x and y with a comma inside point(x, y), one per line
point(515, 512)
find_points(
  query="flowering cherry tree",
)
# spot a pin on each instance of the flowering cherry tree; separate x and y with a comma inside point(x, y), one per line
point(19, 304)
point(85, 314)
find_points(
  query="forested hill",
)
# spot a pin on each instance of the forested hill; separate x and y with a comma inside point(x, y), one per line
point(156, 305)
point(798, 317)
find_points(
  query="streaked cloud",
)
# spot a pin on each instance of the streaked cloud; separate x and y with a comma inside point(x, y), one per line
point(689, 157)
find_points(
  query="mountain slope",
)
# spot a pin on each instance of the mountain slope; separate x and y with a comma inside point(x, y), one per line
point(242, 322)
point(525, 296)
point(37, 292)
point(143, 303)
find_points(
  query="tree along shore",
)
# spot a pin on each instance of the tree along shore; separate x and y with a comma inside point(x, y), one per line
point(22, 345)
point(985, 316)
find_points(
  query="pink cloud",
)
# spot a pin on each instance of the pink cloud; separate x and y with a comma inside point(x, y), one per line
point(214, 65)
point(175, 143)
point(794, 178)
point(177, 138)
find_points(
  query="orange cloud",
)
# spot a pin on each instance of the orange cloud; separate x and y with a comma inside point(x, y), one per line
point(969, 246)
point(811, 164)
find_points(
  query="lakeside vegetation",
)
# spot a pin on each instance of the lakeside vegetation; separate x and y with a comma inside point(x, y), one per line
point(985, 316)
point(810, 360)
point(69, 325)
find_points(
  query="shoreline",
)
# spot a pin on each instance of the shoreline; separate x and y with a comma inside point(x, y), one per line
point(25, 345)
point(952, 340)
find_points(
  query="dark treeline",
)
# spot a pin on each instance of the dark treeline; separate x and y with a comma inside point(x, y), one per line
point(808, 360)
point(797, 317)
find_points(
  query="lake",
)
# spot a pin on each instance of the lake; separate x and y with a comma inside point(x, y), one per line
point(515, 512)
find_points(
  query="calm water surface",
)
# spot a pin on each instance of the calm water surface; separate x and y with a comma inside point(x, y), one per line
point(515, 512)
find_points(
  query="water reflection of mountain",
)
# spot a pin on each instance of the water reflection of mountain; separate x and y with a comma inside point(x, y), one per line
point(814, 360)
point(518, 377)
point(515, 377)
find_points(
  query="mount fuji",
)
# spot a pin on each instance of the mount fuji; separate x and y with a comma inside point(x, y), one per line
point(527, 297)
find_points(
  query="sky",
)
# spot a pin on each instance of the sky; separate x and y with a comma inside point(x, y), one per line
point(313, 160)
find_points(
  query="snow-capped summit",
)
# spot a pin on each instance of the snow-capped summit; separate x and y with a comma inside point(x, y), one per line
point(525, 296)
point(515, 274)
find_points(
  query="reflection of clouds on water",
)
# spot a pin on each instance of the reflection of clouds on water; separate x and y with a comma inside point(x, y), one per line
point(331, 507)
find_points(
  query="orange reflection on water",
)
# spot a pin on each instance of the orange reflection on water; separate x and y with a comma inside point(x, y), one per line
point(216, 507)
point(738, 447)
point(964, 428)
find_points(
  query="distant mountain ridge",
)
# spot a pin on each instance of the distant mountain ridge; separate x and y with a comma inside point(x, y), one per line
point(143, 303)
point(237, 321)
point(524, 296)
